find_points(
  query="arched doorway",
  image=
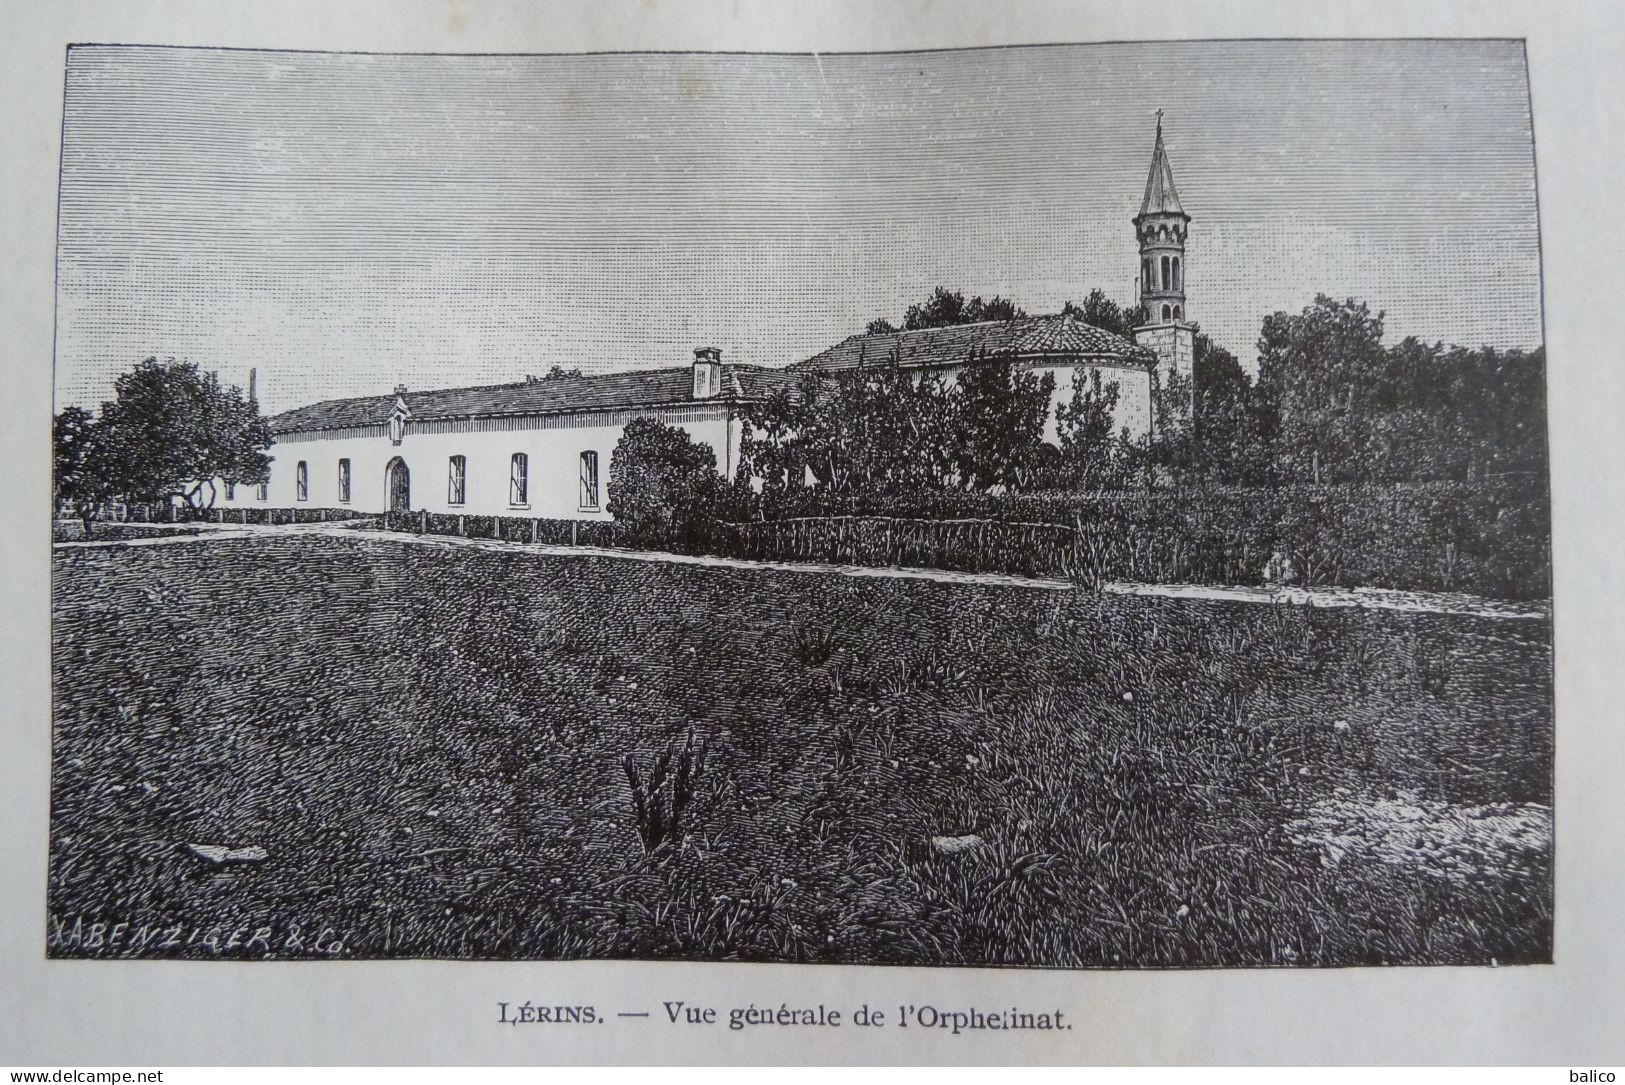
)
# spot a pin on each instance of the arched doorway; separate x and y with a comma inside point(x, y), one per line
point(398, 485)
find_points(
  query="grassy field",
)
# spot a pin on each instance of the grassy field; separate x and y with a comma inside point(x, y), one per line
point(433, 746)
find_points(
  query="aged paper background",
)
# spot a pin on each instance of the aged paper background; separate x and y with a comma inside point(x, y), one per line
point(149, 1013)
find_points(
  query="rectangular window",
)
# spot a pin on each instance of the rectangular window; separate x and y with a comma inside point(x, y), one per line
point(589, 480)
point(456, 480)
point(344, 482)
point(519, 479)
point(301, 482)
point(264, 493)
point(231, 491)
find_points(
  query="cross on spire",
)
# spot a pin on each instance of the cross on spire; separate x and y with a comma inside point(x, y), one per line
point(1160, 194)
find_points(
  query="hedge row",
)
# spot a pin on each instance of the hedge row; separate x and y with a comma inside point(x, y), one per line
point(521, 529)
point(977, 546)
point(1434, 537)
point(161, 513)
point(1484, 539)
point(1487, 540)
point(281, 516)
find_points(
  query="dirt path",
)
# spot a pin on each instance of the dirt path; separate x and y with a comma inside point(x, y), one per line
point(1372, 598)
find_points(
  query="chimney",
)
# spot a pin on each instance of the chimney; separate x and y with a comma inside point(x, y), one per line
point(400, 389)
point(707, 372)
point(252, 399)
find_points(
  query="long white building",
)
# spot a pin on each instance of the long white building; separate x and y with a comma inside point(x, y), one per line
point(539, 448)
point(542, 448)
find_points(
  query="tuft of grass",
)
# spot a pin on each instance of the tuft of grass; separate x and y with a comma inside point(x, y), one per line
point(1430, 667)
point(813, 645)
point(663, 793)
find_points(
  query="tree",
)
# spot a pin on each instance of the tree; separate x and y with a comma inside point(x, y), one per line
point(80, 471)
point(1503, 413)
point(557, 372)
point(999, 440)
point(771, 450)
point(236, 439)
point(1465, 415)
point(825, 429)
point(172, 430)
point(1227, 444)
point(1171, 449)
point(1323, 373)
point(880, 326)
point(1102, 312)
point(663, 484)
point(1090, 457)
point(1331, 403)
point(948, 307)
point(875, 428)
point(906, 430)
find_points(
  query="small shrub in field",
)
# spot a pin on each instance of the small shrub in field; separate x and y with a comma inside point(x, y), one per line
point(846, 747)
point(1364, 661)
point(1431, 667)
point(904, 680)
point(662, 796)
point(813, 645)
point(936, 671)
point(567, 641)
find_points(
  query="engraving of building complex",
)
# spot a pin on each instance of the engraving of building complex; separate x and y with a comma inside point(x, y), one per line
point(542, 447)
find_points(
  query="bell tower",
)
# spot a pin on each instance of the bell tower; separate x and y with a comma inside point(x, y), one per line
point(1161, 227)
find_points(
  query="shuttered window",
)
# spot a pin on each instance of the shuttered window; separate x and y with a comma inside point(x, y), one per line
point(344, 481)
point(589, 480)
point(519, 479)
point(457, 480)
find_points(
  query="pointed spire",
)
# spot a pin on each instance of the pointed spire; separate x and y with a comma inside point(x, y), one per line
point(1160, 194)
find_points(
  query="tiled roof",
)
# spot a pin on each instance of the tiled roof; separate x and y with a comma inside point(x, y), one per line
point(558, 395)
point(1060, 338)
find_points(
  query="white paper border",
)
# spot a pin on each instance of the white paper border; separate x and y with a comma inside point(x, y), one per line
point(106, 1012)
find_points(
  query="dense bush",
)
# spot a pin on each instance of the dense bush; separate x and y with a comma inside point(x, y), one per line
point(664, 488)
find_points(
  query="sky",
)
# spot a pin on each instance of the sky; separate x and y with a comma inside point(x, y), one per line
point(343, 223)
